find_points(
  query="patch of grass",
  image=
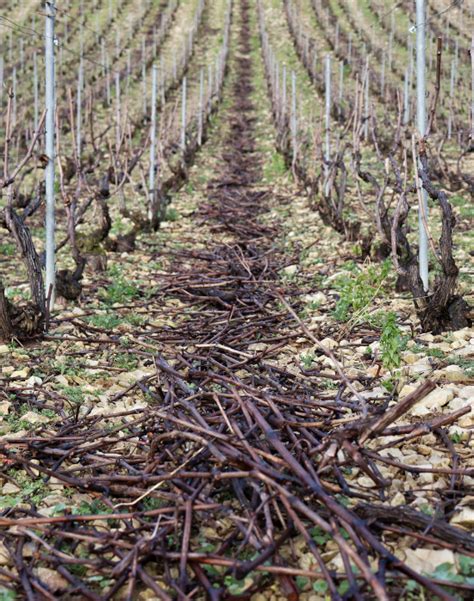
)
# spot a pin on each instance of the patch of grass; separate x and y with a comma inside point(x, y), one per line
point(307, 360)
point(14, 421)
point(78, 569)
point(32, 490)
point(467, 365)
point(18, 294)
point(135, 319)
point(120, 290)
point(172, 214)
point(150, 503)
point(94, 507)
point(435, 352)
point(118, 227)
point(189, 189)
point(274, 166)
point(463, 205)
point(389, 384)
point(107, 321)
point(449, 573)
point(48, 413)
point(125, 361)
point(74, 394)
point(314, 305)
point(358, 290)
point(7, 248)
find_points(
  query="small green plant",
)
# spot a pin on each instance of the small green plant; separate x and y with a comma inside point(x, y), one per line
point(343, 587)
point(15, 421)
point(302, 582)
point(389, 384)
point(150, 503)
point(435, 352)
point(319, 536)
point(135, 319)
point(59, 509)
point(18, 294)
point(94, 507)
point(48, 413)
point(103, 582)
point(320, 586)
point(7, 249)
point(447, 572)
point(78, 569)
point(456, 438)
point(314, 305)
point(466, 565)
point(125, 361)
point(359, 289)
point(172, 215)
point(206, 546)
point(74, 397)
point(120, 290)
point(307, 360)
point(467, 365)
point(106, 321)
point(31, 490)
point(274, 167)
point(427, 509)
point(234, 586)
point(392, 342)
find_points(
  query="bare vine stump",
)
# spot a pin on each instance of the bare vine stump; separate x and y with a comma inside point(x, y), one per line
point(27, 321)
point(441, 308)
point(68, 283)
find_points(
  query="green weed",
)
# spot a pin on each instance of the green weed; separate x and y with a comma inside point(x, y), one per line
point(172, 215)
point(307, 360)
point(7, 248)
point(359, 289)
point(107, 321)
point(392, 342)
point(467, 365)
point(274, 166)
point(125, 361)
point(32, 490)
point(120, 290)
point(429, 352)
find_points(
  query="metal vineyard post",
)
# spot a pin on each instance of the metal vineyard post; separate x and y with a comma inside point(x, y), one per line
point(421, 124)
point(50, 144)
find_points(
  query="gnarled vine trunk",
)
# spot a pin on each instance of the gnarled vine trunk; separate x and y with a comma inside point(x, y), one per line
point(26, 321)
point(441, 308)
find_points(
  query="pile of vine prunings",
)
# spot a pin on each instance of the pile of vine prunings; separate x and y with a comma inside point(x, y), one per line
point(229, 448)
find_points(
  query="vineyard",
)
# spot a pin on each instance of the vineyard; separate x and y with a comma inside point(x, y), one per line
point(236, 339)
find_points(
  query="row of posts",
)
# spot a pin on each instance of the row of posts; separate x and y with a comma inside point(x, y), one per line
point(279, 93)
